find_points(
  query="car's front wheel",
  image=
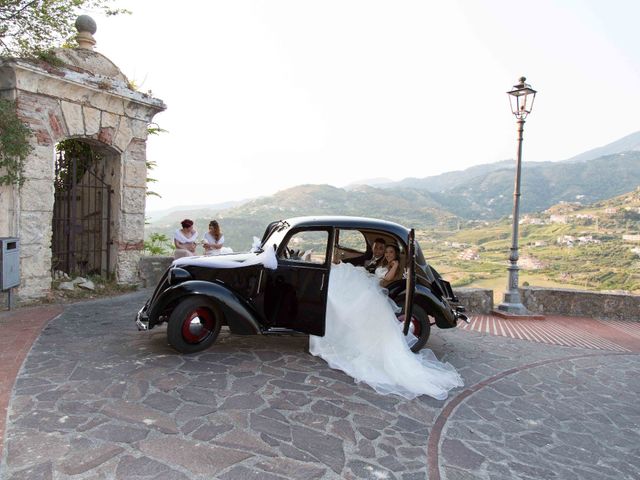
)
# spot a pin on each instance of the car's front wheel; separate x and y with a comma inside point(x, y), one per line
point(419, 326)
point(194, 325)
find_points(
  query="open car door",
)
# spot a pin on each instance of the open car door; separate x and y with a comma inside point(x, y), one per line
point(411, 281)
point(296, 293)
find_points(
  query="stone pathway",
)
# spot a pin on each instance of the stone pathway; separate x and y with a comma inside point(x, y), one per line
point(95, 399)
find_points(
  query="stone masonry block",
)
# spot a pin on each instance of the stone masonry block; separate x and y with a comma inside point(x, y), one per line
point(108, 103)
point(91, 120)
point(133, 200)
point(136, 151)
point(37, 195)
point(139, 129)
point(106, 135)
point(35, 228)
point(39, 165)
point(139, 111)
point(57, 126)
point(127, 266)
point(109, 120)
point(56, 88)
point(131, 227)
point(124, 134)
point(35, 260)
point(34, 287)
point(135, 174)
point(72, 113)
point(34, 106)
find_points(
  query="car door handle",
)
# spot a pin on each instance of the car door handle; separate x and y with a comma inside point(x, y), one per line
point(322, 282)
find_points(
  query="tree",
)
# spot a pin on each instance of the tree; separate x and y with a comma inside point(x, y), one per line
point(14, 144)
point(28, 27)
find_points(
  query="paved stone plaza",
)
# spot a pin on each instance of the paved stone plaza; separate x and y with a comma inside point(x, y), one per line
point(96, 399)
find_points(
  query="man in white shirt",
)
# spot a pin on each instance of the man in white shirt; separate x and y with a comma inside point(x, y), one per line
point(374, 262)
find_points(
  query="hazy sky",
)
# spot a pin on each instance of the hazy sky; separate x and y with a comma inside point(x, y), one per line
point(265, 95)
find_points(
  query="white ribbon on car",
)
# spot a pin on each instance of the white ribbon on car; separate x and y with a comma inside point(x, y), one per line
point(266, 257)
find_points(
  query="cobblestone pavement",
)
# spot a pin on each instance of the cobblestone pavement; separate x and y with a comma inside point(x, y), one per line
point(95, 399)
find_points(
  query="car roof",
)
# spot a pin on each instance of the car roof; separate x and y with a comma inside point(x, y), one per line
point(348, 222)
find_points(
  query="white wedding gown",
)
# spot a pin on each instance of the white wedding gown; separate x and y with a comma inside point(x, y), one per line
point(364, 339)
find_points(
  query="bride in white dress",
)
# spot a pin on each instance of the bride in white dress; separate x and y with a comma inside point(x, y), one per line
point(364, 339)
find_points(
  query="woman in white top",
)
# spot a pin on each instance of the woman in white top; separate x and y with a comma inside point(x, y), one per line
point(184, 239)
point(389, 271)
point(214, 240)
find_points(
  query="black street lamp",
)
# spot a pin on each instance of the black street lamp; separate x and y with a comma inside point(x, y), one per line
point(521, 98)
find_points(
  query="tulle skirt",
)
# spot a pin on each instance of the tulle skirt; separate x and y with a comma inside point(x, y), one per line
point(364, 339)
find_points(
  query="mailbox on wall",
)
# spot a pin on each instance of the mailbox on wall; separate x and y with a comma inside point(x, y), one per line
point(9, 262)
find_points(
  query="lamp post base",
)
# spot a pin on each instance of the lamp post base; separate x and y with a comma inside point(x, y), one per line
point(513, 308)
point(512, 305)
point(516, 316)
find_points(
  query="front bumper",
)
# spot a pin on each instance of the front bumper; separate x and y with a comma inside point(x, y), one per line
point(142, 320)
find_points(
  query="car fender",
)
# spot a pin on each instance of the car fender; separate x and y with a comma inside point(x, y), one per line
point(437, 307)
point(239, 315)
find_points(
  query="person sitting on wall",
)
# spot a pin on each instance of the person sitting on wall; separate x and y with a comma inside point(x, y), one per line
point(213, 242)
point(184, 239)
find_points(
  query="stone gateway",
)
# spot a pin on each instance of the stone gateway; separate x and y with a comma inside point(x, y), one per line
point(80, 103)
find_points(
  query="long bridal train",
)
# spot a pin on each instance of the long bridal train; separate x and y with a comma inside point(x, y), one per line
point(364, 339)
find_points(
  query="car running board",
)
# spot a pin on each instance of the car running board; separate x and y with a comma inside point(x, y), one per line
point(281, 331)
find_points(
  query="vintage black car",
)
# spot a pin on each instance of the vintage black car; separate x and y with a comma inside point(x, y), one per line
point(198, 295)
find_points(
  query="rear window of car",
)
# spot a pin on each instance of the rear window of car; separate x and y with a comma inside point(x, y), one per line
point(309, 246)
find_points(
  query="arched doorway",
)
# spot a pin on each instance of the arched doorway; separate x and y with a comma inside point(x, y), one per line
point(82, 211)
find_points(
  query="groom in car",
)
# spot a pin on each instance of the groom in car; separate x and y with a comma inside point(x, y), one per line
point(377, 248)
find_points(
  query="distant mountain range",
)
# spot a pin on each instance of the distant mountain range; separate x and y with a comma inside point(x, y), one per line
point(630, 143)
point(482, 192)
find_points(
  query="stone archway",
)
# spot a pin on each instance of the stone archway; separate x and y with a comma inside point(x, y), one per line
point(88, 99)
point(81, 225)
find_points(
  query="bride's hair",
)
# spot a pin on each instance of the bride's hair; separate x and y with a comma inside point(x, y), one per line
point(385, 263)
point(396, 251)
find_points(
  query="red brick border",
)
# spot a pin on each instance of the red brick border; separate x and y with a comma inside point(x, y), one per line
point(18, 330)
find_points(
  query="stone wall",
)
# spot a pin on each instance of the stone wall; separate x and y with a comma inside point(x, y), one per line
point(151, 269)
point(475, 300)
point(581, 303)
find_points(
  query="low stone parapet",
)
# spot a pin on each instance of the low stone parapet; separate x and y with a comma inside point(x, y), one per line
point(581, 303)
point(151, 269)
point(475, 300)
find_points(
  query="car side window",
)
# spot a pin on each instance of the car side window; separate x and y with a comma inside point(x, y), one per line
point(309, 246)
point(352, 240)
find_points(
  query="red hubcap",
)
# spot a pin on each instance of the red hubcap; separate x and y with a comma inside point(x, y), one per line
point(414, 326)
point(197, 325)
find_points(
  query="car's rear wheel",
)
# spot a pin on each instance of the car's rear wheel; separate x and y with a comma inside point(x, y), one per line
point(194, 325)
point(419, 326)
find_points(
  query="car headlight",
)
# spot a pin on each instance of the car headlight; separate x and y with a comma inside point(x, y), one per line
point(179, 275)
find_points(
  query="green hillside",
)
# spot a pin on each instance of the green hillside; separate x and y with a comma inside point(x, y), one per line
point(575, 246)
